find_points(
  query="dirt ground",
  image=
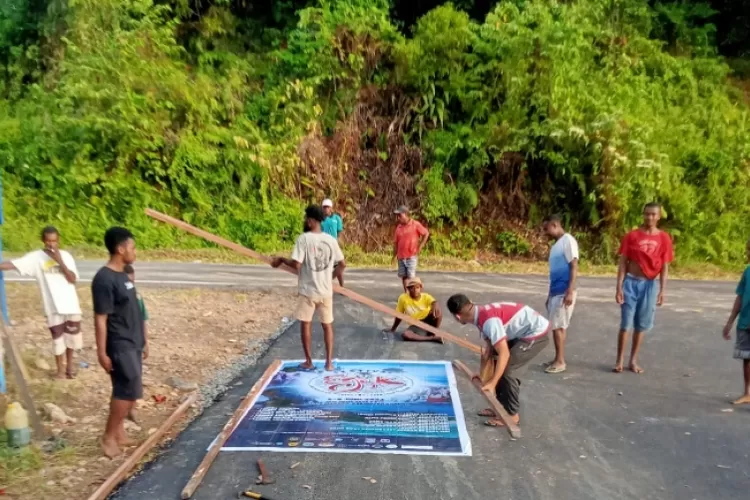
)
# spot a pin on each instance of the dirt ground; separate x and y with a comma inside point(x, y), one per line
point(192, 333)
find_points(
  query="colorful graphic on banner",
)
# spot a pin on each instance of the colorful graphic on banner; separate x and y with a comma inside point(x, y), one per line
point(361, 407)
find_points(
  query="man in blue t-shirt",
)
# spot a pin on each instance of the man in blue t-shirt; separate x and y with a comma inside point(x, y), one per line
point(742, 343)
point(563, 270)
point(333, 224)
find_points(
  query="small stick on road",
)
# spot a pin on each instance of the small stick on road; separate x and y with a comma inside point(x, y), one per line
point(264, 477)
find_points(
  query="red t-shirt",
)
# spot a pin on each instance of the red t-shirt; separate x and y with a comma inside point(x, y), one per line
point(649, 251)
point(407, 238)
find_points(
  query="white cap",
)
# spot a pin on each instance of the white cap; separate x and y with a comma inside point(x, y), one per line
point(327, 203)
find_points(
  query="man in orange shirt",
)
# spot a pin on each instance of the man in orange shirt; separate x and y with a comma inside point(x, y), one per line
point(409, 240)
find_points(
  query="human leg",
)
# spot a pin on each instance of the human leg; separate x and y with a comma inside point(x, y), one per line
point(325, 311)
point(648, 290)
point(627, 319)
point(742, 352)
point(127, 388)
point(304, 314)
point(73, 342)
point(56, 326)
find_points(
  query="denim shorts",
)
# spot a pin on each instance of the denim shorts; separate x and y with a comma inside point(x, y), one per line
point(639, 305)
point(407, 268)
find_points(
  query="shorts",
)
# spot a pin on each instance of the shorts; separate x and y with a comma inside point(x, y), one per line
point(66, 332)
point(306, 307)
point(126, 374)
point(640, 304)
point(559, 315)
point(742, 345)
point(407, 268)
point(430, 320)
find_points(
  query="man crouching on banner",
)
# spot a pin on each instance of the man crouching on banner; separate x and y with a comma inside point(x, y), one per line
point(514, 334)
point(317, 257)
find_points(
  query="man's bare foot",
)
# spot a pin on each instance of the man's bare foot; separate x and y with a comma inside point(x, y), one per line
point(306, 366)
point(744, 400)
point(60, 376)
point(487, 412)
point(617, 368)
point(70, 375)
point(132, 416)
point(635, 368)
point(329, 366)
point(496, 422)
point(437, 339)
point(110, 448)
point(124, 441)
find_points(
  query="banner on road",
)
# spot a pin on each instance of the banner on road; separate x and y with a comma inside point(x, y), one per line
point(360, 407)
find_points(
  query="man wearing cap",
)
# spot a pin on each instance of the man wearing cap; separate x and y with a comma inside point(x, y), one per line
point(421, 306)
point(409, 239)
point(332, 224)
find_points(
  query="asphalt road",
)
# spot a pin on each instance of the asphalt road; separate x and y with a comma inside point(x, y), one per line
point(588, 433)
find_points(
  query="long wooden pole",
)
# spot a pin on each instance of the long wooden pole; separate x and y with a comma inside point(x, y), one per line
point(513, 429)
point(336, 288)
point(119, 474)
point(16, 364)
point(213, 450)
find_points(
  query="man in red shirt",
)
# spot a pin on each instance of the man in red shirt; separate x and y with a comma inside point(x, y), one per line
point(409, 240)
point(645, 253)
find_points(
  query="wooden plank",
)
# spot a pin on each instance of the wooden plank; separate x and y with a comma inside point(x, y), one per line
point(213, 450)
point(13, 351)
point(16, 365)
point(122, 471)
point(513, 429)
point(336, 288)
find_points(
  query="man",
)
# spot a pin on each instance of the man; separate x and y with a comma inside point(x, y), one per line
point(514, 334)
point(332, 224)
point(741, 308)
point(420, 306)
point(121, 342)
point(316, 257)
point(409, 239)
point(55, 272)
point(645, 253)
point(563, 271)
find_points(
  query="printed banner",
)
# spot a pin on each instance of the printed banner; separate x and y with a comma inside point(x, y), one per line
point(360, 407)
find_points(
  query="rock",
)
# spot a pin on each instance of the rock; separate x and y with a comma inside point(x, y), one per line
point(56, 414)
point(151, 430)
point(42, 364)
point(88, 420)
point(181, 385)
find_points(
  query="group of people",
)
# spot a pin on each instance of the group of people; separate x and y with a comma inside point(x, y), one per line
point(513, 334)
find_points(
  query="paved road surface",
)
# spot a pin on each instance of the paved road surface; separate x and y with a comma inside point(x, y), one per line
point(589, 433)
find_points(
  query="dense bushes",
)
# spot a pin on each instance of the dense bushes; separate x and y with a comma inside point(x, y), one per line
point(233, 117)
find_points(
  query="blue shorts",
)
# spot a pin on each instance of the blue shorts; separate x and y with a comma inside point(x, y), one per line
point(407, 268)
point(640, 304)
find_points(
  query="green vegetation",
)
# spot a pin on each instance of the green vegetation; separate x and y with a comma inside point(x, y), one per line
point(484, 116)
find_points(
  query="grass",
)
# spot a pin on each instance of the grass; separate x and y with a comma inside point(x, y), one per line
point(485, 262)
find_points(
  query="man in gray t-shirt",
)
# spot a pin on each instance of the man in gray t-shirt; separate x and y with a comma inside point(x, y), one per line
point(317, 258)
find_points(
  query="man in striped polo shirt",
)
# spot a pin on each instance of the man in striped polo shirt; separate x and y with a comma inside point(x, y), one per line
point(514, 334)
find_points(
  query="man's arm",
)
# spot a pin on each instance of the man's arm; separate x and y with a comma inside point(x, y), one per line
point(100, 329)
point(423, 237)
point(503, 356)
point(662, 283)
point(568, 300)
point(278, 261)
point(7, 266)
point(435, 309)
point(622, 269)
point(338, 272)
point(732, 317)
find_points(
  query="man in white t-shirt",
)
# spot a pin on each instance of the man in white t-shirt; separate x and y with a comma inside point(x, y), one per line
point(317, 258)
point(563, 271)
point(55, 272)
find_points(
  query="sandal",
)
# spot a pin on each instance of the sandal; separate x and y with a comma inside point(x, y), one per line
point(487, 413)
point(555, 369)
point(494, 423)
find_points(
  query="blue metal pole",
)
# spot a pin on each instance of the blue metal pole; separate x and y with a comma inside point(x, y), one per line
point(3, 301)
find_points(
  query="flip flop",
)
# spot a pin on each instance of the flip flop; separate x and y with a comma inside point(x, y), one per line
point(555, 369)
point(493, 423)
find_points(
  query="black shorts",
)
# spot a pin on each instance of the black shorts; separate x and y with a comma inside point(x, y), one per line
point(430, 320)
point(127, 370)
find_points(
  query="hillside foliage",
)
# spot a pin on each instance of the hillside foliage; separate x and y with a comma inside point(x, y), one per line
point(484, 116)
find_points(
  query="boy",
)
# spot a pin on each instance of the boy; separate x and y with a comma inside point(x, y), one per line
point(55, 272)
point(317, 258)
point(515, 334)
point(563, 271)
point(332, 224)
point(132, 416)
point(408, 241)
point(121, 342)
point(742, 343)
point(421, 306)
point(645, 254)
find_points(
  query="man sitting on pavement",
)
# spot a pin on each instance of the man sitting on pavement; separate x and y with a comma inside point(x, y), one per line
point(421, 306)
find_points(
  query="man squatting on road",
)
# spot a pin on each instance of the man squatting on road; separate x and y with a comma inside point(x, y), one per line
point(421, 306)
point(408, 241)
point(121, 342)
point(563, 271)
point(317, 258)
point(645, 253)
point(741, 308)
point(55, 272)
point(514, 334)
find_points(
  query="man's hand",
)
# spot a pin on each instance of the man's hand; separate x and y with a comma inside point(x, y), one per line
point(436, 311)
point(489, 386)
point(619, 297)
point(727, 331)
point(54, 255)
point(568, 300)
point(145, 351)
point(276, 262)
point(105, 362)
point(660, 299)
point(476, 377)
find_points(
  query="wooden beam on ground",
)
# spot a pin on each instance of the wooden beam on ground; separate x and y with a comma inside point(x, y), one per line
point(122, 471)
point(17, 366)
point(213, 450)
point(336, 288)
point(513, 429)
